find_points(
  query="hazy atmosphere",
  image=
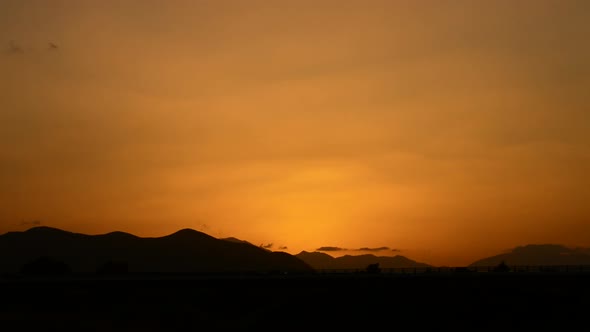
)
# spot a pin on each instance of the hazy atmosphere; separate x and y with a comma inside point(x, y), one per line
point(444, 131)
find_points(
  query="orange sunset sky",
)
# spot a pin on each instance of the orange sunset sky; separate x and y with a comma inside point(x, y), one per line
point(450, 130)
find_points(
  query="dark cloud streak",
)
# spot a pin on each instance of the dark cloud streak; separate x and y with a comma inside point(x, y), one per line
point(372, 249)
point(14, 48)
point(327, 248)
point(30, 223)
point(366, 249)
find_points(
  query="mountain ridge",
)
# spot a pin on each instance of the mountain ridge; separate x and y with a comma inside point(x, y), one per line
point(538, 254)
point(319, 260)
point(184, 251)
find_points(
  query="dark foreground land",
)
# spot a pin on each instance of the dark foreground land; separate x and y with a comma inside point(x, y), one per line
point(475, 302)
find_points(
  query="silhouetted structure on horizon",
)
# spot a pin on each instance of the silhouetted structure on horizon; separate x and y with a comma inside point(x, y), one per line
point(502, 267)
point(373, 268)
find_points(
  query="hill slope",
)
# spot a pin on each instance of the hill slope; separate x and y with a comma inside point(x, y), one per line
point(186, 251)
point(319, 260)
point(538, 254)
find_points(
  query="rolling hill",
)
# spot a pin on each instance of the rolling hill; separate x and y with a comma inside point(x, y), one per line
point(186, 251)
point(538, 254)
point(319, 260)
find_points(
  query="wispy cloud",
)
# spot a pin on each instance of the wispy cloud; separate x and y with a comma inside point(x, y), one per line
point(330, 249)
point(266, 246)
point(14, 48)
point(373, 249)
point(365, 249)
point(30, 223)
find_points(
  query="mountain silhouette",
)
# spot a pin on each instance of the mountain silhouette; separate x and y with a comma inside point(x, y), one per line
point(233, 239)
point(538, 254)
point(186, 251)
point(319, 260)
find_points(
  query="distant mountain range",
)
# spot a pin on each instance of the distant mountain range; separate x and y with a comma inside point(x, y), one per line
point(539, 254)
point(319, 261)
point(190, 251)
point(533, 254)
point(186, 251)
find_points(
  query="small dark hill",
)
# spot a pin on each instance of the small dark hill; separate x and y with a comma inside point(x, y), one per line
point(235, 240)
point(319, 260)
point(118, 235)
point(186, 251)
point(538, 254)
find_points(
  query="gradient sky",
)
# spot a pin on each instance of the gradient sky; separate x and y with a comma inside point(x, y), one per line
point(450, 130)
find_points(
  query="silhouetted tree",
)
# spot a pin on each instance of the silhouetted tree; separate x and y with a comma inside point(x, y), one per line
point(373, 268)
point(45, 266)
point(502, 267)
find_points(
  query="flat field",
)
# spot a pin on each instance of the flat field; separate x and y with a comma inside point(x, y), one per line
point(471, 301)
